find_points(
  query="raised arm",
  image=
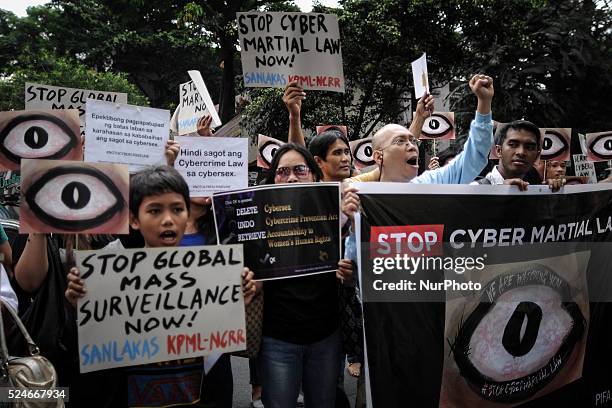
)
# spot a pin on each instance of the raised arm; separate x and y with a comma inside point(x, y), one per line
point(425, 106)
point(469, 163)
point(293, 97)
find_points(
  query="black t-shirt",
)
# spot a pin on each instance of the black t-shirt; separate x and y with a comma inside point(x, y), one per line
point(301, 310)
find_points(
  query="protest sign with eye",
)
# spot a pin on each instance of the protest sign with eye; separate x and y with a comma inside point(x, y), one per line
point(279, 48)
point(39, 96)
point(555, 144)
point(341, 128)
point(64, 196)
point(363, 153)
point(599, 146)
point(438, 126)
point(266, 148)
point(39, 135)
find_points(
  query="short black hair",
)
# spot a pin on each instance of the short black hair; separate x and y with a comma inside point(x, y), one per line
point(519, 125)
point(319, 145)
point(310, 161)
point(154, 181)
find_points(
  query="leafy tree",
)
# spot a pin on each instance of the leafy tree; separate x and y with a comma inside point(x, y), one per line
point(64, 72)
point(219, 18)
point(552, 60)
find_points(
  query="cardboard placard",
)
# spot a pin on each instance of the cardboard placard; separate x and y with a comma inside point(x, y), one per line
point(159, 304)
point(279, 48)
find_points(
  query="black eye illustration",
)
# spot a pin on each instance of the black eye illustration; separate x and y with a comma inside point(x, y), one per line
point(514, 344)
point(267, 151)
point(601, 146)
point(553, 145)
point(436, 126)
point(36, 136)
point(74, 198)
point(363, 152)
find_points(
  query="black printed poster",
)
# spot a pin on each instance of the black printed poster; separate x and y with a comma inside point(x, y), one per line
point(481, 296)
point(287, 230)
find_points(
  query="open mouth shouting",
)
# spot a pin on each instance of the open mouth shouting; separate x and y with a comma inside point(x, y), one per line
point(168, 237)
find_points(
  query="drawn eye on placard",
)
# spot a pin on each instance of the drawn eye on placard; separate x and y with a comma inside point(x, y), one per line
point(601, 146)
point(266, 148)
point(37, 136)
point(520, 341)
point(363, 153)
point(74, 198)
point(436, 126)
point(555, 145)
point(341, 128)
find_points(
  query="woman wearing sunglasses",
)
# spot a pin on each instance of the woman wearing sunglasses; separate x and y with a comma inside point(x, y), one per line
point(301, 343)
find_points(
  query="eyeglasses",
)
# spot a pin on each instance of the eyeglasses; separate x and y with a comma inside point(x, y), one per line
point(402, 141)
point(300, 171)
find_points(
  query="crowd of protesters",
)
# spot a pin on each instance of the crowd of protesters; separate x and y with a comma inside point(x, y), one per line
point(304, 352)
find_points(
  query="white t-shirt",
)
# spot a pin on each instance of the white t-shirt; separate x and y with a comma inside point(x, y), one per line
point(6, 290)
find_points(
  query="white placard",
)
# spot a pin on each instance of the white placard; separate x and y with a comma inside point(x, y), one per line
point(159, 304)
point(125, 134)
point(420, 76)
point(213, 164)
point(191, 108)
point(278, 48)
point(196, 77)
point(583, 167)
point(39, 96)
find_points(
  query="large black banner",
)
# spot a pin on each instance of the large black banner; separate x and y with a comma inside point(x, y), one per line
point(288, 230)
point(483, 296)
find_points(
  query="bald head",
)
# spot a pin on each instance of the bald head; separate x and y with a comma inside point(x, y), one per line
point(383, 137)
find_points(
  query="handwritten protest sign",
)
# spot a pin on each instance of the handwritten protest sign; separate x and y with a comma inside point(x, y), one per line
point(278, 48)
point(191, 108)
point(599, 146)
point(196, 77)
point(39, 96)
point(125, 134)
point(48, 134)
point(420, 76)
point(584, 168)
point(67, 196)
point(159, 304)
point(213, 164)
point(287, 230)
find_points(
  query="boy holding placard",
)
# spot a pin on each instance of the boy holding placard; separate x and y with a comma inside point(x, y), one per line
point(159, 209)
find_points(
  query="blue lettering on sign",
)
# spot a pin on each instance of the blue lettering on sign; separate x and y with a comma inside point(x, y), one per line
point(188, 122)
point(264, 78)
point(111, 351)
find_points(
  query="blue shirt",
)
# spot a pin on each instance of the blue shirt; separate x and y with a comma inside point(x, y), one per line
point(463, 170)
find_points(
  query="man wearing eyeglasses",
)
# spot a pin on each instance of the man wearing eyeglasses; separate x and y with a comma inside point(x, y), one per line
point(396, 149)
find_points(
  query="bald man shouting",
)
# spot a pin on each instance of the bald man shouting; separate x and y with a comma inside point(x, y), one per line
point(396, 148)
